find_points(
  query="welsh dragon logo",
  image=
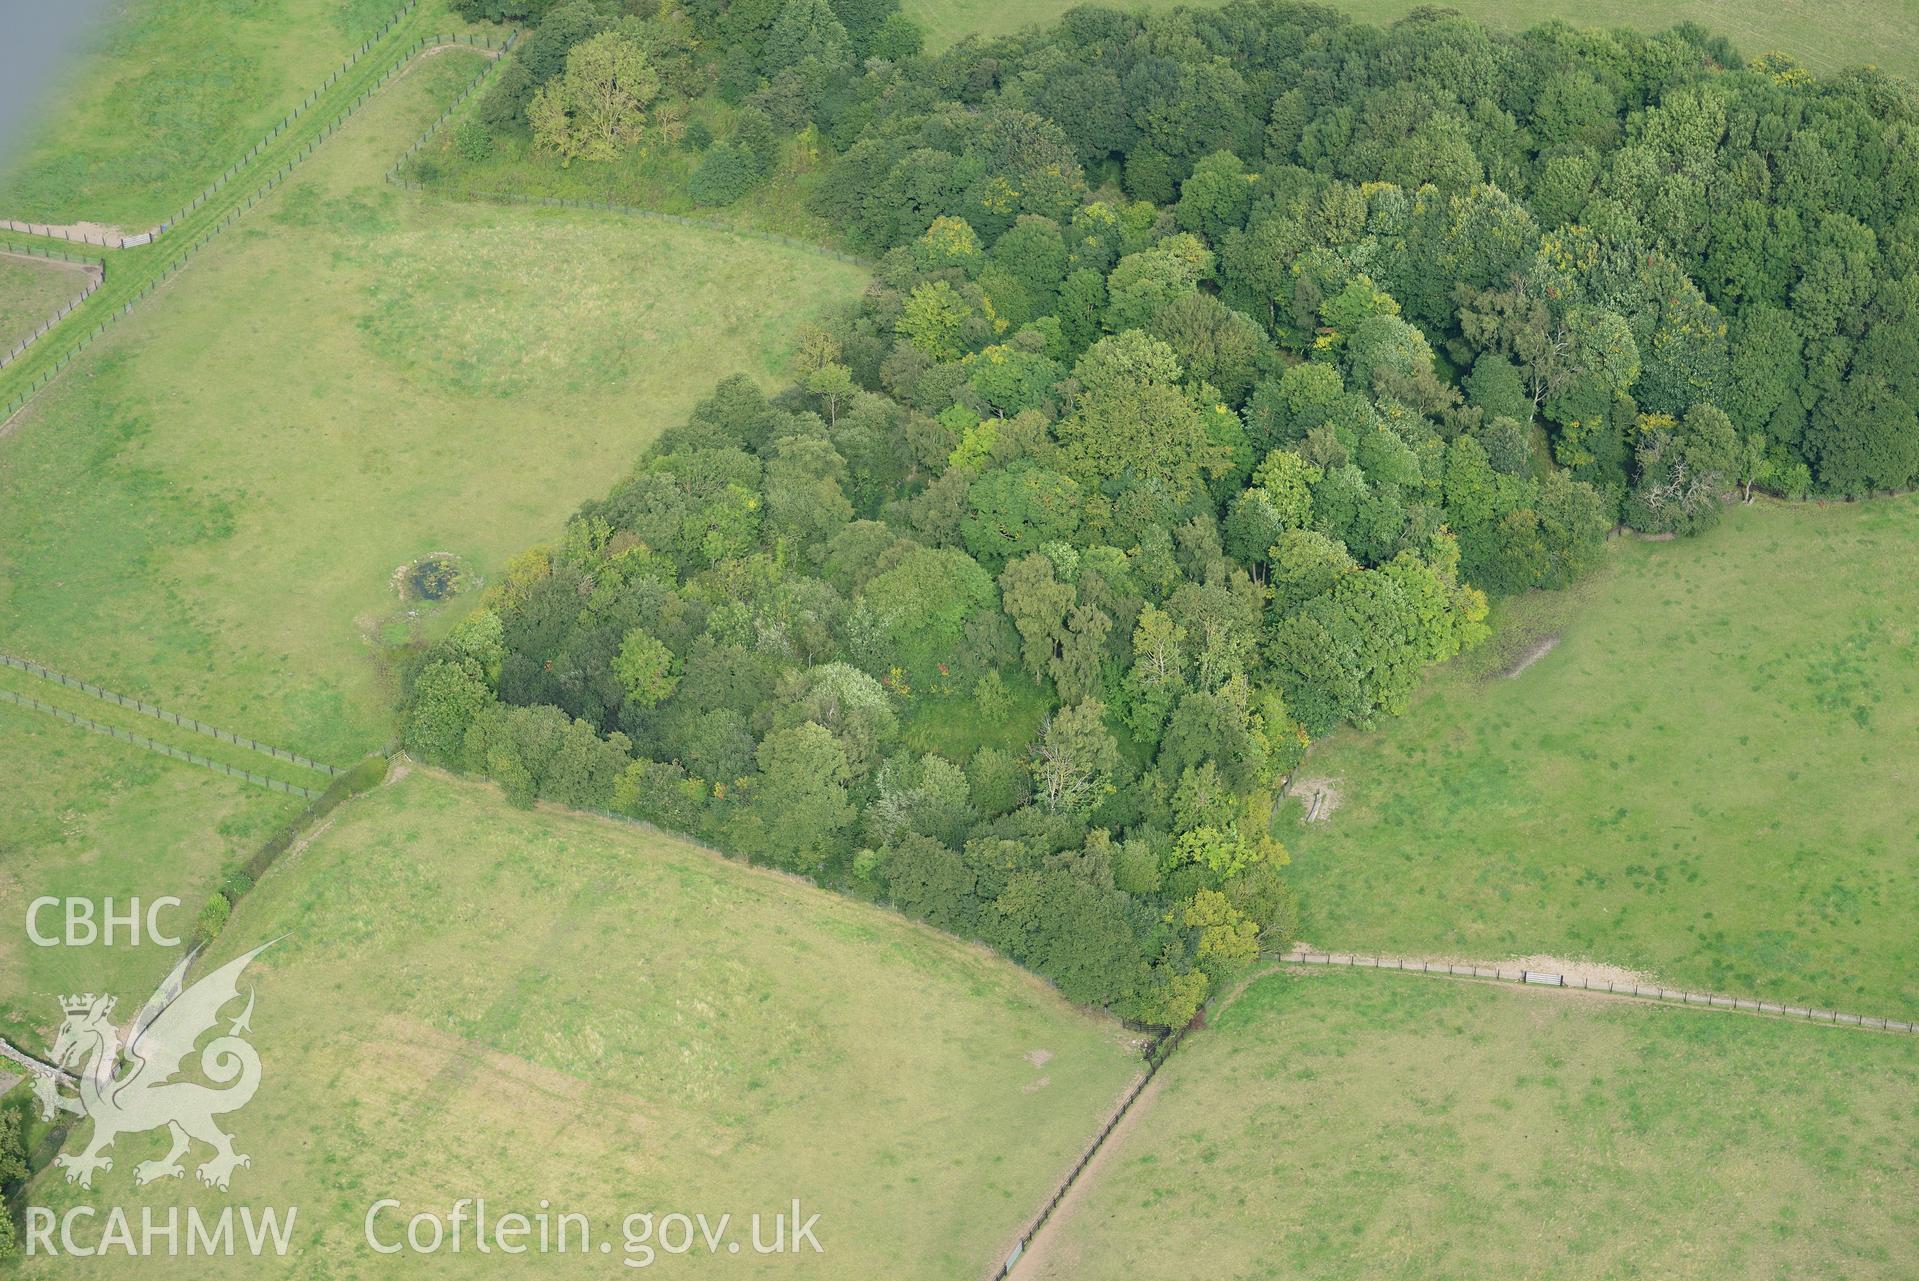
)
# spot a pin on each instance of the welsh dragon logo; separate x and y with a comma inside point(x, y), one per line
point(145, 1096)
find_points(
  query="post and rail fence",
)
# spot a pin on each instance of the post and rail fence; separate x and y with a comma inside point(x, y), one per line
point(1581, 983)
point(172, 718)
point(1156, 1056)
point(96, 276)
point(154, 745)
point(186, 254)
point(153, 233)
point(1162, 1050)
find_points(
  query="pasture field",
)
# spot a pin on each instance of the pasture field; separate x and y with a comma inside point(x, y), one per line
point(1372, 1126)
point(82, 815)
point(171, 94)
point(652, 1028)
point(1825, 37)
point(208, 509)
point(31, 289)
point(1708, 778)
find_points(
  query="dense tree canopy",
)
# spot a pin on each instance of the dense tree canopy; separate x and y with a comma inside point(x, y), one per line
point(1216, 365)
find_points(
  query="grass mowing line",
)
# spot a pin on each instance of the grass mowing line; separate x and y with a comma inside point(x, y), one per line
point(149, 266)
point(1625, 991)
point(171, 718)
point(153, 745)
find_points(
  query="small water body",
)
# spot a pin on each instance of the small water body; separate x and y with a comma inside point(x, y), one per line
point(39, 39)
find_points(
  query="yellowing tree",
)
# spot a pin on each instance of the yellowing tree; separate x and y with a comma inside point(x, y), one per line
point(596, 108)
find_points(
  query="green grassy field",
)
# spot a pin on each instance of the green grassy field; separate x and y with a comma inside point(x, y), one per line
point(651, 1027)
point(1826, 37)
point(1376, 1126)
point(173, 93)
point(1709, 778)
point(31, 290)
point(84, 816)
point(207, 510)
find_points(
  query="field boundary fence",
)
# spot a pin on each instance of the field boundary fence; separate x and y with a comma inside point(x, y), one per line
point(154, 745)
point(33, 1064)
point(55, 231)
point(96, 276)
point(1156, 1057)
point(186, 254)
point(51, 255)
point(153, 233)
point(472, 87)
point(172, 718)
point(1581, 983)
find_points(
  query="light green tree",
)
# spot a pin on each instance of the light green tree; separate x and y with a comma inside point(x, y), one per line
point(645, 669)
point(931, 319)
point(597, 107)
point(800, 796)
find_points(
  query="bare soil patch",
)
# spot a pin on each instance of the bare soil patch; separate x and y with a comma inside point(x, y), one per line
point(1574, 971)
point(96, 230)
point(1588, 971)
point(1532, 655)
point(1320, 796)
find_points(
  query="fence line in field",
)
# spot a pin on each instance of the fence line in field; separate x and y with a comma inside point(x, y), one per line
point(172, 718)
point(439, 122)
point(154, 745)
point(186, 254)
point(1539, 978)
point(54, 231)
point(37, 1066)
point(1161, 1050)
point(96, 276)
point(52, 255)
point(160, 228)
